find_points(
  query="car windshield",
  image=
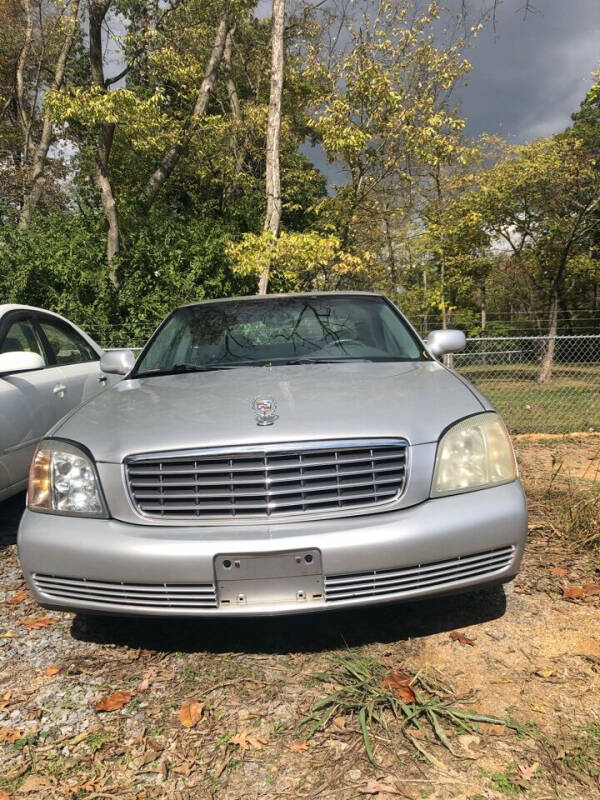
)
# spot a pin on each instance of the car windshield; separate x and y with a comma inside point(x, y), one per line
point(279, 330)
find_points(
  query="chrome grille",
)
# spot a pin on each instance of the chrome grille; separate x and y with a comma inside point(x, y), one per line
point(268, 480)
point(376, 583)
point(134, 595)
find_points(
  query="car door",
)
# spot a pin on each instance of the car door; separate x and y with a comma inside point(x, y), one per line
point(78, 361)
point(28, 400)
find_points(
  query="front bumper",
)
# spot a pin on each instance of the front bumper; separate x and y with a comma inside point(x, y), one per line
point(445, 545)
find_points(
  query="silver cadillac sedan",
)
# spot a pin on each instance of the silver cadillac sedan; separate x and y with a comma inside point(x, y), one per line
point(273, 455)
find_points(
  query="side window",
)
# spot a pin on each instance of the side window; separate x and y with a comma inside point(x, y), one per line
point(66, 345)
point(21, 337)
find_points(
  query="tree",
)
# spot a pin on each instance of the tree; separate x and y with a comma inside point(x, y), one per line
point(36, 55)
point(40, 155)
point(385, 114)
point(97, 12)
point(272, 178)
point(101, 109)
point(537, 207)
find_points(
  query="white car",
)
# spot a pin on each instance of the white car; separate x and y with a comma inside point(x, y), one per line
point(48, 367)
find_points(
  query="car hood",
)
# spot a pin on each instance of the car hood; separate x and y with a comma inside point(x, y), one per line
point(413, 400)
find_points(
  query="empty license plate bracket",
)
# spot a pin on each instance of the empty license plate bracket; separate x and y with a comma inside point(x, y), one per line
point(269, 578)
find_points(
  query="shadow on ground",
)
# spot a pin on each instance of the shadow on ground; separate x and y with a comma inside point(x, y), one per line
point(304, 633)
point(10, 515)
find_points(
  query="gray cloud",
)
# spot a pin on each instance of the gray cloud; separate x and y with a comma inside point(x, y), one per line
point(531, 74)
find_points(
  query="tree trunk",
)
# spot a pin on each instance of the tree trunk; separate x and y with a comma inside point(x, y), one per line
point(174, 153)
point(24, 116)
point(97, 13)
point(483, 308)
point(545, 372)
point(109, 203)
point(273, 180)
point(238, 147)
point(41, 152)
point(391, 256)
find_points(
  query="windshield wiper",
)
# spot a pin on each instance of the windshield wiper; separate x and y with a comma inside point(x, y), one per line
point(180, 368)
point(293, 361)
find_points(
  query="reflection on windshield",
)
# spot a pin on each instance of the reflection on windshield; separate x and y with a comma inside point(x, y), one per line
point(279, 330)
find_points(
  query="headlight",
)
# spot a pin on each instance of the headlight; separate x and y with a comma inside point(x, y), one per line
point(63, 479)
point(474, 453)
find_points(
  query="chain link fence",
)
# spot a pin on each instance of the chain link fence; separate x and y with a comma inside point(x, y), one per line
point(507, 371)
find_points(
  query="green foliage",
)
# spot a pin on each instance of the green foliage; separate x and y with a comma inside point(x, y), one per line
point(300, 261)
point(506, 782)
point(59, 263)
point(584, 755)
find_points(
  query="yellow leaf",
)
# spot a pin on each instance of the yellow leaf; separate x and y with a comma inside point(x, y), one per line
point(190, 713)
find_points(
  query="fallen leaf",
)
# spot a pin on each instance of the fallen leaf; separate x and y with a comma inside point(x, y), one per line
point(35, 623)
point(87, 786)
point(591, 589)
point(131, 655)
point(148, 757)
point(18, 597)
point(113, 702)
point(34, 783)
point(558, 571)
point(539, 709)
point(246, 741)
point(4, 701)
point(339, 723)
point(457, 636)
point(147, 679)
point(469, 741)
point(544, 673)
point(571, 592)
point(496, 730)
point(219, 767)
point(527, 773)
point(50, 671)
point(4, 796)
point(298, 747)
point(244, 715)
point(10, 735)
point(190, 713)
point(9, 635)
point(183, 769)
point(385, 786)
point(399, 683)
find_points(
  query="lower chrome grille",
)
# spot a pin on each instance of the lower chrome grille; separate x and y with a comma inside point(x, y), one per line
point(267, 480)
point(376, 583)
point(162, 595)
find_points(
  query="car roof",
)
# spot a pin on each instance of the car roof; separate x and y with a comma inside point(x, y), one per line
point(6, 307)
point(280, 296)
point(19, 307)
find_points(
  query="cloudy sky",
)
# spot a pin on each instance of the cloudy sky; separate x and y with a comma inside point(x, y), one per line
point(531, 74)
point(530, 71)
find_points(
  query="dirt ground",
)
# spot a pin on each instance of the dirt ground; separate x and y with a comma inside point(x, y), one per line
point(211, 709)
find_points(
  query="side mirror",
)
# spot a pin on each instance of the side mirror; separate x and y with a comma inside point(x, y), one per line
point(117, 362)
point(20, 361)
point(446, 341)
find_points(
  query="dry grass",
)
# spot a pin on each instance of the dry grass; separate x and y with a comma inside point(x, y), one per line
point(572, 504)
